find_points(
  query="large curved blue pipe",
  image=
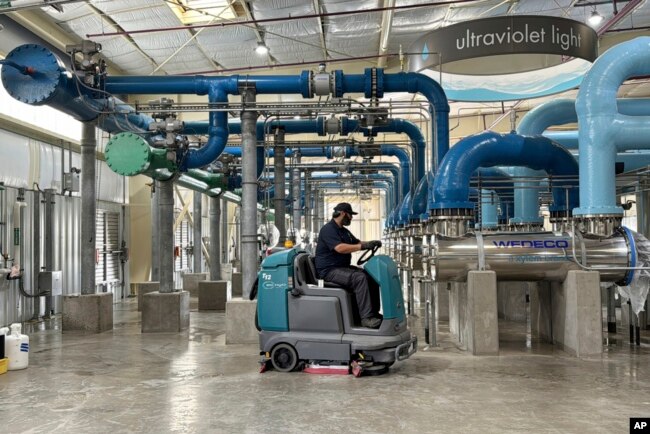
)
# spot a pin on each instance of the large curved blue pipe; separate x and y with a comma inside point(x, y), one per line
point(420, 199)
point(488, 149)
point(603, 129)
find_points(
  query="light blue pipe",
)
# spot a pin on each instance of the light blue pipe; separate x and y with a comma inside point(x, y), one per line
point(603, 129)
point(498, 180)
point(373, 176)
point(560, 112)
point(489, 209)
point(526, 195)
point(488, 149)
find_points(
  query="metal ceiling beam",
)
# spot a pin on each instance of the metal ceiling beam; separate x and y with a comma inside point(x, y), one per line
point(289, 18)
point(101, 14)
point(386, 24)
point(321, 32)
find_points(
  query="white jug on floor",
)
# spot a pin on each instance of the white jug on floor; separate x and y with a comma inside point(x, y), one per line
point(17, 348)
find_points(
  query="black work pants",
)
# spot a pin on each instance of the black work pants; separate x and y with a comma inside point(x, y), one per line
point(365, 288)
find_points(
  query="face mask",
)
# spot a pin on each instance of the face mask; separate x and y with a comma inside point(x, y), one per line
point(346, 220)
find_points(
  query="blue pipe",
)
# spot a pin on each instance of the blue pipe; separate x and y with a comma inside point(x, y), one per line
point(420, 199)
point(451, 186)
point(51, 84)
point(404, 211)
point(497, 180)
point(399, 126)
point(603, 129)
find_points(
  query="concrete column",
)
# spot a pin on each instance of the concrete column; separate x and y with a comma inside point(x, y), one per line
point(215, 238)
point(155, 238)
point(577, 314)
point(197, 232)
point(89, 311)
point(482, 322)
point(308, 203)
point(441, 290)
point(249, 253)
point(454, 311)
point(89, 207)
point(165, 190)
point(279, 200)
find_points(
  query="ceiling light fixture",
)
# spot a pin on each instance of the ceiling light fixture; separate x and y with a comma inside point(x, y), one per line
point(261, 49)
point(297, 117)
point(595, 18)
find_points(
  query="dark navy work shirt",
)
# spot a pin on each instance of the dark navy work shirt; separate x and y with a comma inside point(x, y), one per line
point(330, 236)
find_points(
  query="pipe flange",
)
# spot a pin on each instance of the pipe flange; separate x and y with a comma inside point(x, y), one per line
point(599, 225)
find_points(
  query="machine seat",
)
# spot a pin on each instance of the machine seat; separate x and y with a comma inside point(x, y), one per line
point(305, 272)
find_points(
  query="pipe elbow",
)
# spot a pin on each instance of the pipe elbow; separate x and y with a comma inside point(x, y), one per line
point(430, 88)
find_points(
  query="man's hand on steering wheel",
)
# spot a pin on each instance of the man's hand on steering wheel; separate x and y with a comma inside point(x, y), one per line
point(370, 248)
point(369, 245)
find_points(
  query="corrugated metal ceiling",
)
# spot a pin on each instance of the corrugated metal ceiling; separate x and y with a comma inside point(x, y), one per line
point(290, 41)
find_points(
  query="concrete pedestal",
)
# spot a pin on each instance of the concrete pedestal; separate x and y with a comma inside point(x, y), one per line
point(479, 317)
point(240, 322)
point(165, 312)
point(442, 300)
point(88, 313)
point(236, 284)
point(143, 288)
point(574, 309)
point(191, 282)
point(213, 295)
point(454, 311)
point(511, 299)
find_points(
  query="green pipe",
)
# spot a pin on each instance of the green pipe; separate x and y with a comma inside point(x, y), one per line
point(129, 154)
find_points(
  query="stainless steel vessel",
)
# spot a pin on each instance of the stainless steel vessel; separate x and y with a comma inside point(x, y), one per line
point(533, 256)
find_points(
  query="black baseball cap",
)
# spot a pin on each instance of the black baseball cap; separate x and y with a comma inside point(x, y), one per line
point(345, 207)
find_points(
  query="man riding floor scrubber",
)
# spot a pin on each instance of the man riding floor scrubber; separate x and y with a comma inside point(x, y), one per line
point(306, 325)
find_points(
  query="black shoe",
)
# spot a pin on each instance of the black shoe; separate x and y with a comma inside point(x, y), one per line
point(371, 322)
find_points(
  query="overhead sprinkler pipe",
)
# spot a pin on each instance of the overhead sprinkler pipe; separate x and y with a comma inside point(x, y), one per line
point(488, 149)
point(603, 128)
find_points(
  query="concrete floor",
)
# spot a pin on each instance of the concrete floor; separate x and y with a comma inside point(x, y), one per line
point(123, 381)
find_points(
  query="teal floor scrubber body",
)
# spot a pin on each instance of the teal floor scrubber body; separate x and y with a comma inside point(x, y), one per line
point(304, 324)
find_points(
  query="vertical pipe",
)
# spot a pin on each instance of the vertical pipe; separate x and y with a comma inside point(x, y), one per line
point(155, 234)
point(49, 242)
point(89, 207)
point(249, 253)
point(308, 206)
point(223, 252)
point(166, 233)
point(279, 201)
point(215, 238)
point(36, 252)
point(611, 309)
point(197, 231)
point(295, 188)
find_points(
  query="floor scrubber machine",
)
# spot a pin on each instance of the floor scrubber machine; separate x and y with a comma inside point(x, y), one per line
point(316, 328)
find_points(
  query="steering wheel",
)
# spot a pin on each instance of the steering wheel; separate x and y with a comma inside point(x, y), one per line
point(369, 253)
